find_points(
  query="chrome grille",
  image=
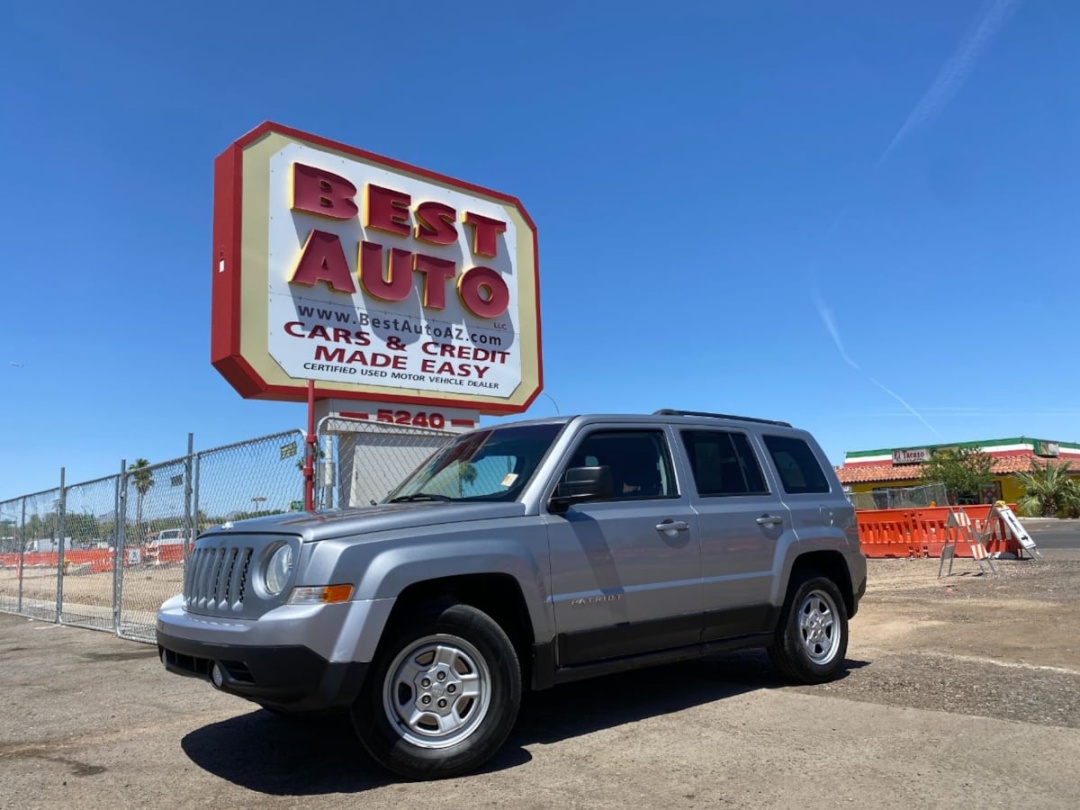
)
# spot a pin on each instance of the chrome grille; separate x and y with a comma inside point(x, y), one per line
point(216, 578)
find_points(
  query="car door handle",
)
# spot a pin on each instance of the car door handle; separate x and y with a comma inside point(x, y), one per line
point(769, 520)
point(673, 526)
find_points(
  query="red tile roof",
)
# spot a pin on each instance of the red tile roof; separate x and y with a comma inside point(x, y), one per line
point(868, 473)
point(878, 472)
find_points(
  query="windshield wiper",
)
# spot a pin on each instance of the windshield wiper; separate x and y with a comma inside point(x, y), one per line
point(419, 496)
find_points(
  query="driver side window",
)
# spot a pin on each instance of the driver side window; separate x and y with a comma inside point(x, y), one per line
point(639, 461)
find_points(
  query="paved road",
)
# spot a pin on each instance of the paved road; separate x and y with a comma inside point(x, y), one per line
point(1054, 534)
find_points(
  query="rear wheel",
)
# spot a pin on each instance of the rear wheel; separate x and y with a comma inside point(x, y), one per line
point(812, 638)
point(442, 696)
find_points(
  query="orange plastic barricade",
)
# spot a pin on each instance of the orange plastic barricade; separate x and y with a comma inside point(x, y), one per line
point(167, 554)
point(99, 559)
point(889, 533)
point(921, 532)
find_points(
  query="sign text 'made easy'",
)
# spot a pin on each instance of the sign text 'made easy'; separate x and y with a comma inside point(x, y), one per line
point(388, 274)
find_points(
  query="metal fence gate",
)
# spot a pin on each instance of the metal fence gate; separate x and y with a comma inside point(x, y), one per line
point(40, 562)
point(88, 576)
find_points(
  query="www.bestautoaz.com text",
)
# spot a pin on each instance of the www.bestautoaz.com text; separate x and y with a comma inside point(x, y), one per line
point(402, 326)
point(350, 352)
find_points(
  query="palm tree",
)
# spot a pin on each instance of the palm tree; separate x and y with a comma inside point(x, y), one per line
point(143, 478)
point(1049, 490)
point(466, 475)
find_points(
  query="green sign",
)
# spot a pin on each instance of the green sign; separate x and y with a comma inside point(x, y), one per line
point(296, 506)
point(289, 450)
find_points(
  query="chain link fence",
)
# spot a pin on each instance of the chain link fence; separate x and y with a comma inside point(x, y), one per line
point(41, 551)
point(11, 521)
point(921, 497)
point(105, 554)
point(157, 520)
point(370, 459)
point(88, 576)
point(168, 504)
point(248, 479)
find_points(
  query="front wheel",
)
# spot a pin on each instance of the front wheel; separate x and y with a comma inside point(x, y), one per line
point(812, 638)
point(443, 694)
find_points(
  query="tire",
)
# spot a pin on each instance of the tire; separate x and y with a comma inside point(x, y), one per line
point(812, 638)
point(442, 696)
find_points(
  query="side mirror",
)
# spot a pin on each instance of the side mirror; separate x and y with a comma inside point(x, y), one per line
point(581, 484)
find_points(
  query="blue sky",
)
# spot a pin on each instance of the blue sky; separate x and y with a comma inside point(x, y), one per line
point(715, 184)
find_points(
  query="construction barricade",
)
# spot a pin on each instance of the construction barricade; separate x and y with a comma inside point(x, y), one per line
point(922, 532)
point(95, 561)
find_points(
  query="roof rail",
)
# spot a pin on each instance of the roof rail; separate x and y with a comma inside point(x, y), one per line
point(672, 412)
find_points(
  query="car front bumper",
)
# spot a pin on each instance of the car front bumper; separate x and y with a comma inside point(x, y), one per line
point(297, 658)
point(293, 678)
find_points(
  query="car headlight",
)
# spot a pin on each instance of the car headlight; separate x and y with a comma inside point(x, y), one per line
point(278, 568)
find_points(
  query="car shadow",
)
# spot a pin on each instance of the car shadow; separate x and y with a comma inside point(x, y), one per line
point(581, 708)
point(315, 756)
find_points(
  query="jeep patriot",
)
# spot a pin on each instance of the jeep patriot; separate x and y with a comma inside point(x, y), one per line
point(523, 556)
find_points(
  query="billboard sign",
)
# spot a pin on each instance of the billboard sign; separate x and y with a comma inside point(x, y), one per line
point(378, 280)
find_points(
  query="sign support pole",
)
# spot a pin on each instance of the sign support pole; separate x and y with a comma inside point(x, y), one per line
point(309, 463)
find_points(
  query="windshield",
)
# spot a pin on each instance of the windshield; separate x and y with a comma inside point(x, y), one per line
point(485, 465)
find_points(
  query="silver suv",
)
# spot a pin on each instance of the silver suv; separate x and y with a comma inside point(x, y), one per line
point(525, 556)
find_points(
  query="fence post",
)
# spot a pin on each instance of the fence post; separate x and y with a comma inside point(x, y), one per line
point(327, 473)
point(195, 496)
point(60, 509)
point(22, 553)
point(188, 521)
point(311, 447)
point(120, 532)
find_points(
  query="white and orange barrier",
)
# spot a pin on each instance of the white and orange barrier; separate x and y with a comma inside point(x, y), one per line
point(922, 532)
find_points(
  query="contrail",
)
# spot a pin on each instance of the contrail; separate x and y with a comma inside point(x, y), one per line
point(955, 71)
point(830, 324)
point(946, 84)
point(826, 318)
point(903, 402)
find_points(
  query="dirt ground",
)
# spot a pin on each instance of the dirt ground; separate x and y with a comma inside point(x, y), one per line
point(959, 692)
point(1001, 645)
point(145, 587)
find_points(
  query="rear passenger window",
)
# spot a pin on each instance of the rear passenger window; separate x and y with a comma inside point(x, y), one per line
point(723, 463)
point(798, 467)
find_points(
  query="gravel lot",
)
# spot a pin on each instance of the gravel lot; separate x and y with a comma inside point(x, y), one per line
point(960, 692)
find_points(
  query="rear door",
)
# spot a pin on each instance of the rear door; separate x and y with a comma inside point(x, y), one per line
point(741, 521)
point(819, 509)
point(626, 572)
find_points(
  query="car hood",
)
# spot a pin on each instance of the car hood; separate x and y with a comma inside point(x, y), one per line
point(314, 526)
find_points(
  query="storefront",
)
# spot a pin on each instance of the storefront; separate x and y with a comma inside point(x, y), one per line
point(879, 470)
